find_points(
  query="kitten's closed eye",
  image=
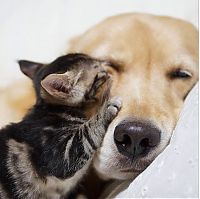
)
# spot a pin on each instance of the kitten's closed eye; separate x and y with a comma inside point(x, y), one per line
point(99, 80)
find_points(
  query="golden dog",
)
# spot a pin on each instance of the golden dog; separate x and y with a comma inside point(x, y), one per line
point(154, 64)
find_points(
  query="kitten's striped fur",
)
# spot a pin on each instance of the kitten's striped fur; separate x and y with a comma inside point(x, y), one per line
point(48, 152)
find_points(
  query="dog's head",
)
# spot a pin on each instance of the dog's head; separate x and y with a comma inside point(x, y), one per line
point(154, 64)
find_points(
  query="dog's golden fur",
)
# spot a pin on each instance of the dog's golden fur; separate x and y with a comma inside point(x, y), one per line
point(144, 50)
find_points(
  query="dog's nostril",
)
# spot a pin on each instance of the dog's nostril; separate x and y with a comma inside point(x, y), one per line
point(125, 141)
point(144, 143)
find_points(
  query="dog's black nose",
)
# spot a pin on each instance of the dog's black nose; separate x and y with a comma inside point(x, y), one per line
point(136, 138)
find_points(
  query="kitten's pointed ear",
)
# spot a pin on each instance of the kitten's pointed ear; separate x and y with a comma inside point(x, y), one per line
point(57, 84)
point(28, 67)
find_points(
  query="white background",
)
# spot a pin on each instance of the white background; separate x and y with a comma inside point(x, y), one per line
point(39, 29)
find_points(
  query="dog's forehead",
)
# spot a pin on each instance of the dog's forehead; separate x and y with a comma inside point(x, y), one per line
point(139, 38)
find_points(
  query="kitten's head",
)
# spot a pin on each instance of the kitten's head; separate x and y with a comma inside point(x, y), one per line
point(69, 80)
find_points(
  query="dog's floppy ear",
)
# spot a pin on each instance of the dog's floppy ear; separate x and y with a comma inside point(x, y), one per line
point(28, 67)
point(57, 85)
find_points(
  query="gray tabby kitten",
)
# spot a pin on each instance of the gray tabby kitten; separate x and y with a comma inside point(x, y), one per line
point(49, 151)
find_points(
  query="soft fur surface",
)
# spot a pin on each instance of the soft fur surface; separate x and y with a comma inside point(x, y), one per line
point(148, 52)
point(149, 55)
point(49, 151)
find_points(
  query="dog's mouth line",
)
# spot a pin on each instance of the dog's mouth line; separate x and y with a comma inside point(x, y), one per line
point(132, 170)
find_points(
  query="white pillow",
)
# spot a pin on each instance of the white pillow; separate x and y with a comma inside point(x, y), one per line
point(174, 173)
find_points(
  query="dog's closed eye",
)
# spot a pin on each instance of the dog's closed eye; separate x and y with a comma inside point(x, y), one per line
point(180, 74)
point(113, 64)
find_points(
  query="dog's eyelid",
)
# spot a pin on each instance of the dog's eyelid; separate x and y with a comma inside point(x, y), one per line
point(180, 73)
point(113, 64)
point(186, 72)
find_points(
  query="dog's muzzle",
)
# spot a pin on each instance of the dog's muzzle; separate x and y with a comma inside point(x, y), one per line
point(136, 138)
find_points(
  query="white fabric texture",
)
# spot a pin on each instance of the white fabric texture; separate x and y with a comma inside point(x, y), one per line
point(174, 173)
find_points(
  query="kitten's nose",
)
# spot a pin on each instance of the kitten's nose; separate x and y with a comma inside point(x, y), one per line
point(136, 138)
